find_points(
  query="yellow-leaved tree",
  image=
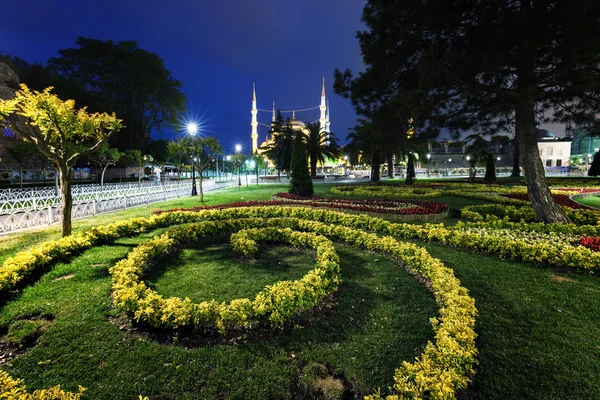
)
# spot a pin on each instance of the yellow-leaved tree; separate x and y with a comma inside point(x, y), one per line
point(60, 132)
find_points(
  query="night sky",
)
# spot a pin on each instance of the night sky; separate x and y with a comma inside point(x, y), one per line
point(217, 48)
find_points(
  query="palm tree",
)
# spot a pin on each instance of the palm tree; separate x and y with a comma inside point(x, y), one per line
point(320, 144)
point(365, 143)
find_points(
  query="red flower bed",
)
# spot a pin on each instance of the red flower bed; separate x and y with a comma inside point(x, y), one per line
point(561, 199)
point(407, 207)
point(592, 243)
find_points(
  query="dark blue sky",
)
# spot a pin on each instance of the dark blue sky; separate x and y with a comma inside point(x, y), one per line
point(217, 48)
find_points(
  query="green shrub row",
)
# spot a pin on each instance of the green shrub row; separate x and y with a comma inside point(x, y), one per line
point(273, 305)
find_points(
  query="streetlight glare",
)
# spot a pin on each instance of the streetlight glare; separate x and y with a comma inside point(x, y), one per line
point(238, 148)
point(192, 128)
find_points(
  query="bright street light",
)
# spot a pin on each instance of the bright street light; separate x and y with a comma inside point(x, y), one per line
point(238, 148)
point(192, 128)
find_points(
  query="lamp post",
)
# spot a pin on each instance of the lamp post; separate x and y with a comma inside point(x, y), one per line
point(194, 191)
point(192, 129)
point(428, 158)
point(228, 158)
point(247, 164)
point(238, 149)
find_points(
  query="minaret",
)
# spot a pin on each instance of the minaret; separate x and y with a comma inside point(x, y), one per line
point(323, 107)
point(273, 117)
point(327, 122)
point(254, 122)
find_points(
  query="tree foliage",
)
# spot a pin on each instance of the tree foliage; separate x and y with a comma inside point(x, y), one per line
point(60, 132)
point(120, 77)
point(460, 64)
point(320, 145)
point(103, 157)
point(200, 150)
point(279, 149)
point(300, 180)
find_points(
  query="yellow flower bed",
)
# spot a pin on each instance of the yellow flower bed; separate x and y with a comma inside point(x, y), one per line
point(273, 305)
point(444, 366)
point(493, 212)
point(14, 389)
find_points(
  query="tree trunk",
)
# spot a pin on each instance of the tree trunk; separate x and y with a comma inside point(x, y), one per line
point(516, 171)
point(67, 199)
point(201, 191)
point(390, 166)
point(313, 163)
point(56, 178)
point(376, 169)
point(544, 205)
point(102, 177)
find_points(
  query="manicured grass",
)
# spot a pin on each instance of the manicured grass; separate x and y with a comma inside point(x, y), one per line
point(382, 314)
point(538, 329)
point(591, 201)
point(539, 336)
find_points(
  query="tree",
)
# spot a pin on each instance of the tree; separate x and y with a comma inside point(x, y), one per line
point(365, 145)
point(595, 167)
point(105, 156)
point(410, 170)
point(202, 149)
point(176, 155)
point(320, 144)
point(122, 78)
point(300, 180)
point(136, 158)
point(158, 149)
point(490, 170)
point(459, 61)
point(60, 133)
point(279, 150)
point(22, 152)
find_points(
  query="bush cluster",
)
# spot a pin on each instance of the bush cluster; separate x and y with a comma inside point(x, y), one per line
point(273, 305)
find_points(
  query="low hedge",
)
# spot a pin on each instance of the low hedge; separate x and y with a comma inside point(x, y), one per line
point(14, 389)
point(273, 305)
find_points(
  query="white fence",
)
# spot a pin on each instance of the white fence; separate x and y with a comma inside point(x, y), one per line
point(23, 208)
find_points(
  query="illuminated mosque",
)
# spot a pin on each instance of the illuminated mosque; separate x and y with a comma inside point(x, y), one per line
point(296, 124)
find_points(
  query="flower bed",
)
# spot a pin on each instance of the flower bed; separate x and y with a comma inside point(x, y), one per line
point(273, 305)
point(387, 191)
point(491, 212)
point(445, 364)
point(14, 389)
point(392, 210)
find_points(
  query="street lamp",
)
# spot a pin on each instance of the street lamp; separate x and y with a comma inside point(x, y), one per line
point(238, 149)
point(192, 129)
point(428, 158)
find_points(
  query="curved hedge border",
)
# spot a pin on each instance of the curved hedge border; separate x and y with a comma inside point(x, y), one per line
point(394, 210)
point(14, 389)
point(273, 305)
point(386, 191)
point(446, 363)
point(493, 212)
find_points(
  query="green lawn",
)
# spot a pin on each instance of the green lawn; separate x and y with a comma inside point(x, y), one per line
point(591, 201)
point(539, 336)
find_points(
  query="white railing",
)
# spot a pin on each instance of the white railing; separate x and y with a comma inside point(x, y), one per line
point(44, 210)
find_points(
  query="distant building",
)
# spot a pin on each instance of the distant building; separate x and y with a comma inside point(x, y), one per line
point(585, 143)
point(554, 151)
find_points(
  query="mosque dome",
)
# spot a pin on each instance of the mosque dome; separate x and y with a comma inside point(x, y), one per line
point(297, 123)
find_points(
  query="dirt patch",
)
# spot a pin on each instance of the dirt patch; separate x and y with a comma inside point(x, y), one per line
point(561, 279)
point(22, 335)
point(99, 265)
point(60, 278)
